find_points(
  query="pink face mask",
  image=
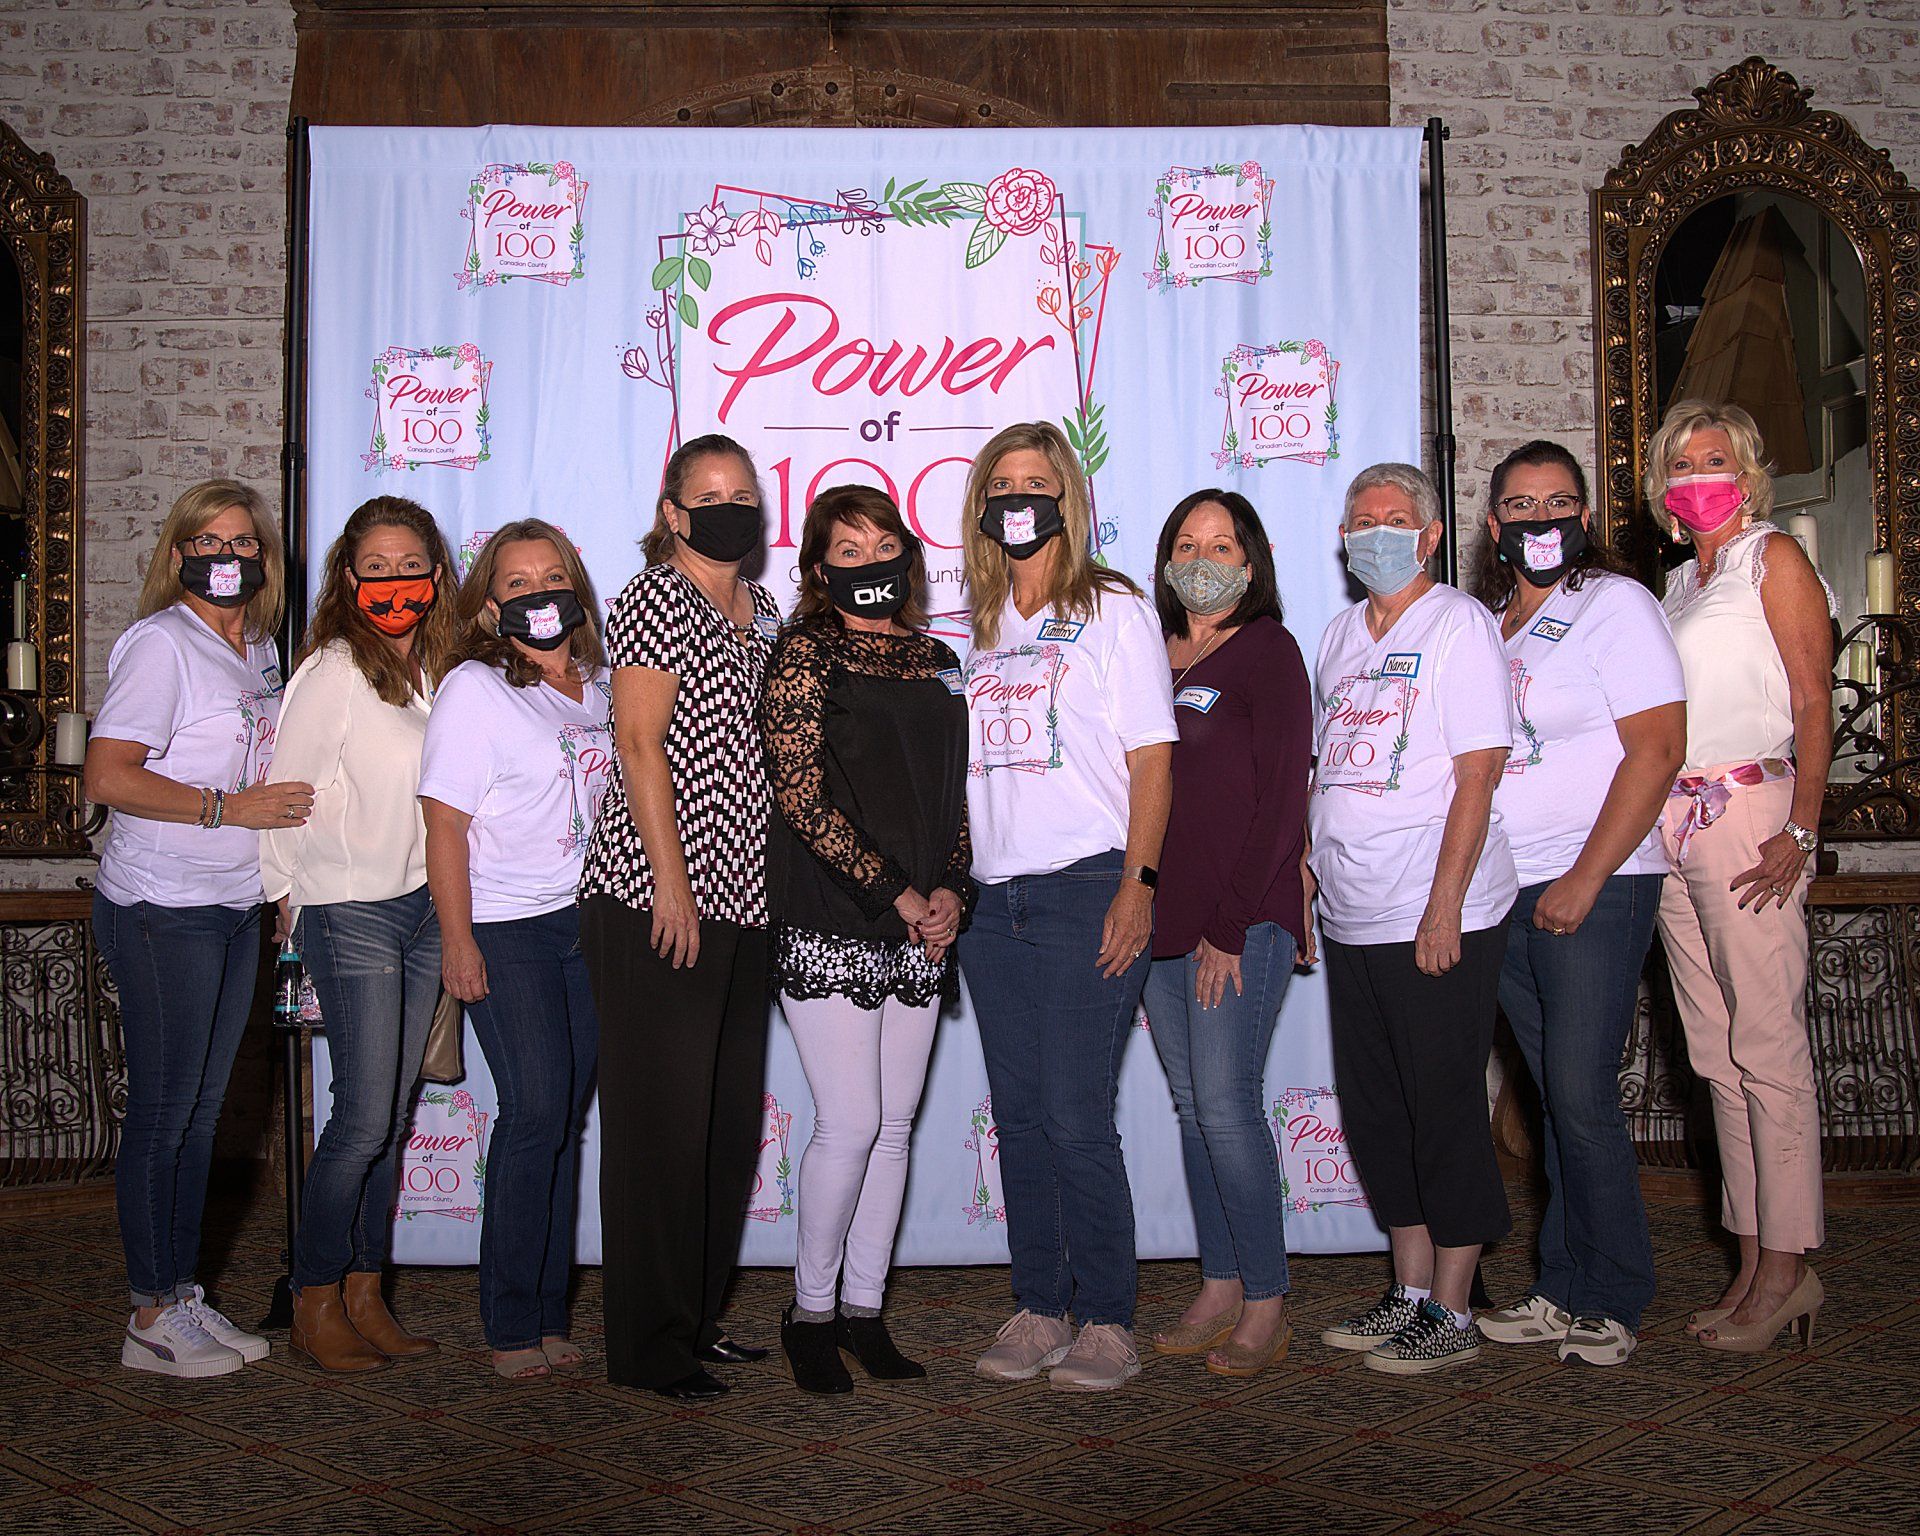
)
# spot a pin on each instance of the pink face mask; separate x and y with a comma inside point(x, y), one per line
point(1704, 502)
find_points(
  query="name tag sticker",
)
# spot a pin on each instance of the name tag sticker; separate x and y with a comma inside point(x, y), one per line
point(767, 624)
point(1401, 664)
point(1550, 629)
point(271, 673)
point(951, 677)
point(1196, 697)
point(1067, 630)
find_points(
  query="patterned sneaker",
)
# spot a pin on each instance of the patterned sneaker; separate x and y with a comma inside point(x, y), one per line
point(249, 1346)
point(1598, 1341)
point(174, 1344)
point(1376, 1325)
point(1101, 1358)
point(1025, 1346)
point(1431, 1342)
point(1532, 1321)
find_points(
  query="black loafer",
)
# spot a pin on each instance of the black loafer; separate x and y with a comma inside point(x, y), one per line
point(695, 1387)
point(724, 1351)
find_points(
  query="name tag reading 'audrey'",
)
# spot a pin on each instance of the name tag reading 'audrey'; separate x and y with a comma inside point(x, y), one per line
point(1065, 630)
point(1555, 630)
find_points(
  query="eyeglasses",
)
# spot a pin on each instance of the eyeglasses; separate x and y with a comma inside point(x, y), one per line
point(1525, 506)
point(247, 547)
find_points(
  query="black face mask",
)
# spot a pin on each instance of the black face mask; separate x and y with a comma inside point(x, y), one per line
point(876, 591)
point(543, 620)
point(1542, 551)
point(726, 531)
point(226, 581)
point(1021, 525)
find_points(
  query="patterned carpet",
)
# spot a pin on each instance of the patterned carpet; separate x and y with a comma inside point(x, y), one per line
point(1678, 1441)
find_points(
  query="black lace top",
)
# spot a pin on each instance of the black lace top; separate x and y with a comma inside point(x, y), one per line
point(866, 741)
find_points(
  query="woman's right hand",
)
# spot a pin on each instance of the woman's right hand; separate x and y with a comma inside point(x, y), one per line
point(268, 807)
point(913, 910)
point(1307, 951)
point(676, 927)
point(463, 969)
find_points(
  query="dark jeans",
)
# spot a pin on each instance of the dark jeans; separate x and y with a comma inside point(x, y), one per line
point(682, 1074)
point(1216, 1064)
point(1053, 1030)
point(376, 968)
point(186, 978)
point(1570, 1000)
point(540, 1033)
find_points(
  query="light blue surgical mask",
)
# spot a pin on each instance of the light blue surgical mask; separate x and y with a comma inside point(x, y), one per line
point(1383, 558)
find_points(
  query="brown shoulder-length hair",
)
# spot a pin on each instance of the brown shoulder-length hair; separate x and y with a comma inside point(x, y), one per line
point(1493, 580)
point(192, 510)
point(479, 634)
point(855, 504)
point(337, 616)
point(1078, 580)
point(658, 544)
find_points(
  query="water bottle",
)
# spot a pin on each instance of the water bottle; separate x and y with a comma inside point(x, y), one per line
point(287, 976)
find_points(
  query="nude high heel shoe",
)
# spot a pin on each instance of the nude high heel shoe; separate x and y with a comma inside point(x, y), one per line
point(1798, 1310)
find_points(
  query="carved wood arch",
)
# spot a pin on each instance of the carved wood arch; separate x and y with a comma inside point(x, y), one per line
point(835, 94)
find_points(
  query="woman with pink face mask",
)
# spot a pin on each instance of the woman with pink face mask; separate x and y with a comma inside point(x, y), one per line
point(1751, 619)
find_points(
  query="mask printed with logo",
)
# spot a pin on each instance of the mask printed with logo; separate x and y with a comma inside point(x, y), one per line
point(725, 531)
point(1703, 503)
point(542, 620)
point(395, 604)
point(1543, 550)
point(1021, 525)
point(1206, 586)
point(1383, 558)
point(226, 581)
point(876, 591)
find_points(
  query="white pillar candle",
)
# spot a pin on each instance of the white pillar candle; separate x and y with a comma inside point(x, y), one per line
point(1805, 527)
point(23, 666)
point(70, 739)
point(19, 607)
point(1880, 581)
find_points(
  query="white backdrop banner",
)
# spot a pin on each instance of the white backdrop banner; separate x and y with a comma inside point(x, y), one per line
point(509, 321)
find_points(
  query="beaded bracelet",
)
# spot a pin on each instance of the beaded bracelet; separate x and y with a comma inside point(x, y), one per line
point(219, 807)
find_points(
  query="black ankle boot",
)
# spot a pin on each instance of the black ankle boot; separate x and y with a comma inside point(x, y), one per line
point(867, 1340)
point(814, 1355)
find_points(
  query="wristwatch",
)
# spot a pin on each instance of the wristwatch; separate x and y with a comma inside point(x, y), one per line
point(1803, 839)
point(1146, 874)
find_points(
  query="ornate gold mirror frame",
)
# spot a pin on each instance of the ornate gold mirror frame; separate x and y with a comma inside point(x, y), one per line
point(43, 225)
point(1753, 129)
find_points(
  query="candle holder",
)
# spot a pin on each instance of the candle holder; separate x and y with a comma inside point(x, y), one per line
point(1863, 713)
point(22, 729)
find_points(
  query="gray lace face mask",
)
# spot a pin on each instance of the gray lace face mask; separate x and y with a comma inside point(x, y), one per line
point(1206, 586)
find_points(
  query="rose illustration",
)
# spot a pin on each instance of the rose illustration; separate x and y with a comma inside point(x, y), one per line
point(709, 229)
point(468, 353)
point(1020, 201)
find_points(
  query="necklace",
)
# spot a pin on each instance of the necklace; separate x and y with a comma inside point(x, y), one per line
point(1217, 634)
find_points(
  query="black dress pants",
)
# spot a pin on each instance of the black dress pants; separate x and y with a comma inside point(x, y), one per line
point(682, 1069)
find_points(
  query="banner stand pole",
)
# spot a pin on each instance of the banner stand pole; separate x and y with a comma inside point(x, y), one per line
point(1445, 449)
point(293, 466)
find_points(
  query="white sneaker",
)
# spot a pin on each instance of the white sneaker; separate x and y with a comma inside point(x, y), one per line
point(1532, 1321)
point(1026, 1345)
point(175, 1344)
point(249, 1346)
point(1101, 1359)
point(1598, 1341)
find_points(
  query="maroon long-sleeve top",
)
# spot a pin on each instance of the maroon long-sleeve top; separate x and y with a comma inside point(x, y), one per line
point(1240, 773)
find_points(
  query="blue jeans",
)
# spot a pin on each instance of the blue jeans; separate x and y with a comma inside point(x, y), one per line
point(1570, 1000)
point(1216, 1063)
point(186, 978)
point(542, 1037)
point(1053, 1030)
point(376, 968)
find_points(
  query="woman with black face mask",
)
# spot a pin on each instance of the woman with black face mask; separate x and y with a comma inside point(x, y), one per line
point(866, 736)
point(673, 920)
point(1602, 723)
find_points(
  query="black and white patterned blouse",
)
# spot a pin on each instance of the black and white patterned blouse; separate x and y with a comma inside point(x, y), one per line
point(663, 622)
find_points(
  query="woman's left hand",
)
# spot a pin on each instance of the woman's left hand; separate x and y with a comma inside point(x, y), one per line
point(1127, 929)
point(1775, 876)
point(1213, 969)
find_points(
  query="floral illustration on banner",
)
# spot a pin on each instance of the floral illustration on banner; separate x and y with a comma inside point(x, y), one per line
point(586, 754)
point(1301, 1124)
point(1280, 405)
point(525, 221)
point(989, 1204)
point(443, 1167)
point(774, 1161)
point(429, 408)
point(1350, 748)
point(1215, 222)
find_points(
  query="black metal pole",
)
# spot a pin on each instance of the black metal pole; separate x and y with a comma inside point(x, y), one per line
point(1445, 449)
point(293, 466)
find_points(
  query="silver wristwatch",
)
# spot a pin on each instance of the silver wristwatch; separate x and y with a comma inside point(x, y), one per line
point(1803, 838)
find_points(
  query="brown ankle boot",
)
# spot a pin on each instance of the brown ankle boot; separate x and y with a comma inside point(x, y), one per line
point(368, 1312)
point(323, 1334)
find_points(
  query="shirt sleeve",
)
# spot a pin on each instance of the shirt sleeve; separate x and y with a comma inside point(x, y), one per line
point(1632, 651)
point(457, 764)
point(1473, 686)
point(647, 626)
point(1139, 682)
point(146, 691)
point(315, 717)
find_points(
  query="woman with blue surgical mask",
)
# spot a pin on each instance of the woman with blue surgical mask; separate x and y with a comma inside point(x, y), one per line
point(1414, 881)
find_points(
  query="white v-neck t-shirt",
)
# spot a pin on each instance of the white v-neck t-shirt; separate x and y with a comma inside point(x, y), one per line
point(1392, 714)
point(1585, 660)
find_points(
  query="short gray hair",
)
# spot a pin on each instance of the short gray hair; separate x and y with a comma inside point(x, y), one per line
point(1408, 479)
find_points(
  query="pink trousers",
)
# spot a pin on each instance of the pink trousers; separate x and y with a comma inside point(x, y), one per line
point(1740, 979)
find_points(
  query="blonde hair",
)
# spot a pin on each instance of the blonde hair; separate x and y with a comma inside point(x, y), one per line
point(1078, 580)
point(192, 510)
point(1683, 419)
point(479, 634)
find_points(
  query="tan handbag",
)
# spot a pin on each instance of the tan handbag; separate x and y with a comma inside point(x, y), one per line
point(442, 1063)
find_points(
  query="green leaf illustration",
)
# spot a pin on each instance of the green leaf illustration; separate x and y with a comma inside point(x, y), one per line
point(379, 442)
point(538, 168)
point(667, 273)
point(699, 271)
point(967, 196)
point(689, 311)
point(473, 262)
point(983, 243)
point(443, 351)
point(577, 234)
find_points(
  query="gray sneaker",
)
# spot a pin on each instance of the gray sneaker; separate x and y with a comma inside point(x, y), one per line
point(1376, 1325)
point(1533, 1320)
point(1026, 1345)
point(1598, 1341)
point(1101, 1358)
point(1431, 1342)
